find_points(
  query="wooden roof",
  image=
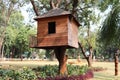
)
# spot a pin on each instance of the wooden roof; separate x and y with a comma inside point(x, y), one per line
point(53, 12)
point(56, 12)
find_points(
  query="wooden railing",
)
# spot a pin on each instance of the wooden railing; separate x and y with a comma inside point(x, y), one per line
point(33, 41)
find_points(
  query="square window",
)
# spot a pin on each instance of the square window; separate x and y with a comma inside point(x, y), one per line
point(51, 27)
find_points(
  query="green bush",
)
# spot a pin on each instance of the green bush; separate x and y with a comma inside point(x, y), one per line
point(76, 70)
point(45, 71)
point(27, 74)
point(52, 71)
point(21, 74)
point(6, 74)
point(39, 72)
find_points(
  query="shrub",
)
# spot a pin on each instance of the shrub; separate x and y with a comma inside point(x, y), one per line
point(21, 74)
point(47, 72)
point(76, 70)
point(27, 74)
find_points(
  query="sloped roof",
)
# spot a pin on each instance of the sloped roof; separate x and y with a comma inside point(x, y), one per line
point(53, 12)
point(56, 12)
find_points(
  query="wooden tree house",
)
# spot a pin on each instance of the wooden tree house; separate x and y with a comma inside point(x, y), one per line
point(57, 29)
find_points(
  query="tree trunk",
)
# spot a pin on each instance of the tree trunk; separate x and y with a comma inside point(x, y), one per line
point(2, 52)
point(62, 59)
point(0, 46)
point(88, 58)
point(21, 57)
point(116, 64)
point(13, 50)
point(89, 61)
point(1, 49)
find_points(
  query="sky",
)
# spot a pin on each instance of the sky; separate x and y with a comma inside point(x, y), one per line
point(26, 15)
point(102, 15)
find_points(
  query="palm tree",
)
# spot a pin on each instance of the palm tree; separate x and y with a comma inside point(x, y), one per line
point(110, 30)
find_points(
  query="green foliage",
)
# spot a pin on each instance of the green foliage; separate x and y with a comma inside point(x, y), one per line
point(10, 17)
point(8, 8)
point(111, 27)
point(45, 71)
point(52, 71)
point(16, 19)
point(104, 4)
point(21, 74)
point(1, 32)
point(72, 53)
point(48, 53)
point(83, 10)
point(76, 70)
point(27, 74)
point(109, 33)
point(39, 72)
point(18, 39)
point(17, 35)
point(9, 40)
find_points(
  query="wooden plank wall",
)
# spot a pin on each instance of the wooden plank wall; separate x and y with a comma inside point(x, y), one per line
point(73, 33)
point(60, 38)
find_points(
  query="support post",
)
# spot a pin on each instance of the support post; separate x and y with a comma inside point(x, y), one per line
point(62, 59)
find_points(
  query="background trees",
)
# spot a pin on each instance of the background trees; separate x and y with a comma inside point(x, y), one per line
point(14, 34)
point(85, 11)
point(16, 40)
point(7, 7)
point(110, 30)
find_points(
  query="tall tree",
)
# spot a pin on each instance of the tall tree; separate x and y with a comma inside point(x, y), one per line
point(110, 30)
point(81, 9)
point(16, 34)
point(7, 7)
point(22, 40)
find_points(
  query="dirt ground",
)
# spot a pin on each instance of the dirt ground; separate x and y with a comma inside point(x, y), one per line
point(39, 62)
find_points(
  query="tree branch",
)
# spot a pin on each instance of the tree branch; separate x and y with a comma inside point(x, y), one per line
point(52, 4)
point(10, 9)
point(58, 3)
point(67, 3)
point(82, 9)
point(74, 4)
point(82, 49)
point(34, 7)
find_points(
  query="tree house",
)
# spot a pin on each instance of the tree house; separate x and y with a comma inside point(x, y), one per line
point(56, 28)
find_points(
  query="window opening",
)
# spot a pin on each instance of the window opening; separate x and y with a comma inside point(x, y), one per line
point(51, 27)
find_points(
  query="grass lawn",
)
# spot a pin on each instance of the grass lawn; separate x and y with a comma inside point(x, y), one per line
point(106, 74)
point(102, 75)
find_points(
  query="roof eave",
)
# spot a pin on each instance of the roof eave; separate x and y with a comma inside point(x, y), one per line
point(38, 17)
